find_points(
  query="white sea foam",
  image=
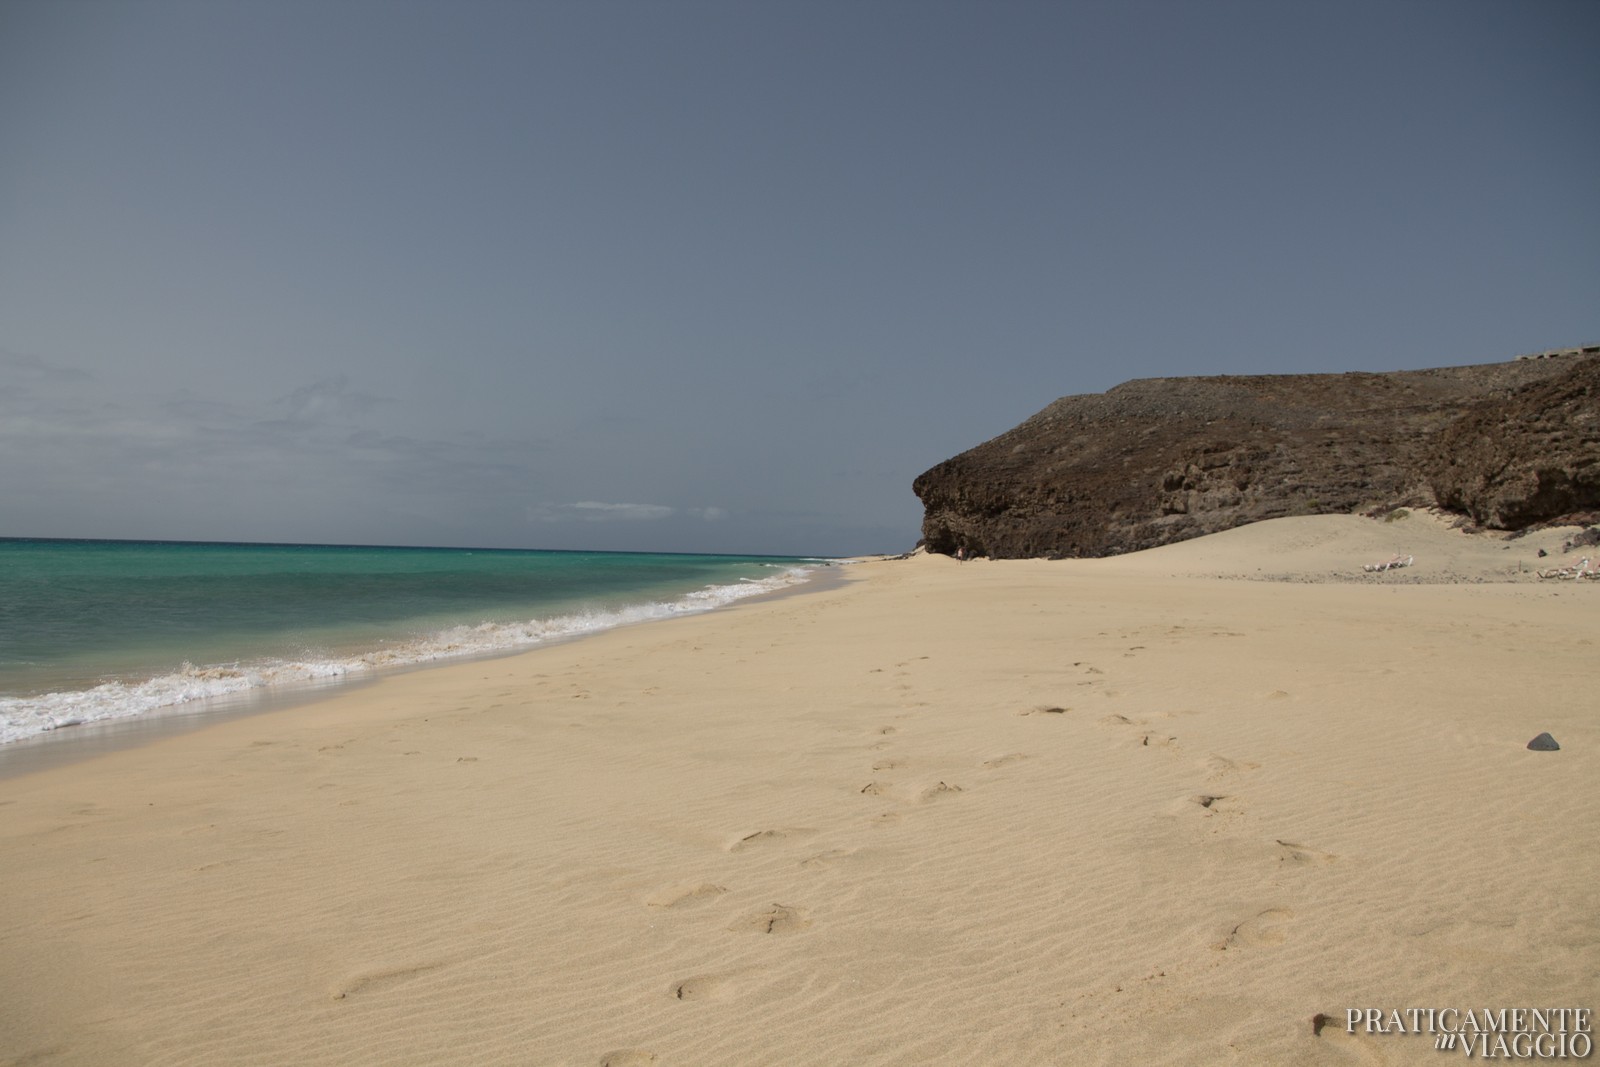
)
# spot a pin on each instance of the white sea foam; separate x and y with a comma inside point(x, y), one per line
point(28, 716)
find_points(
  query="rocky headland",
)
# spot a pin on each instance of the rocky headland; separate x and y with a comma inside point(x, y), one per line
point(1505, 445)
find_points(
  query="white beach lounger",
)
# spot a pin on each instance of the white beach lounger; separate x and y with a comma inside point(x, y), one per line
point(1583, 570)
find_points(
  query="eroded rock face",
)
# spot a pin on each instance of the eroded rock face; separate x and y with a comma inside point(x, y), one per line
point(1165, 459)
point(1529, 458)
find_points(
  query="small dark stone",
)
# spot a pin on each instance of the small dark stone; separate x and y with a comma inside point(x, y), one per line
point(1543, 553)
point(1544, 743)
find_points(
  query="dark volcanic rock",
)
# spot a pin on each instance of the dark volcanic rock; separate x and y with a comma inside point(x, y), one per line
point(1584, 538)
point(1164, 459)
point(1544, 743)
point(1532, 456)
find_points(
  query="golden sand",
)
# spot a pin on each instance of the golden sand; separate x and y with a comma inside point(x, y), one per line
point(1146, 810)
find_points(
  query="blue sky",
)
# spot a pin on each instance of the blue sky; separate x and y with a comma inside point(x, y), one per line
point(727, 276)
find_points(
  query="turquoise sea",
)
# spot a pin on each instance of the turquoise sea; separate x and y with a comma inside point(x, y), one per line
point(99, 630)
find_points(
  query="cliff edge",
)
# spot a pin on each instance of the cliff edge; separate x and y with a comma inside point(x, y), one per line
point(1159, 460)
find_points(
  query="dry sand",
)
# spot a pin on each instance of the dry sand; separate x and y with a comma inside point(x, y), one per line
point(1132, 811)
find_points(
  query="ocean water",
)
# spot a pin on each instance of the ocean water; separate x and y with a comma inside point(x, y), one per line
point(99, 630)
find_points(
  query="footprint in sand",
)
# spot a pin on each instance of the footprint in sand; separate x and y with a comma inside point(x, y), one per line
point(887, 764)
point(629, 1057)
point(1303, 855)
point(776, 919)
point(1003, 761)
point(875, 789)
point(1044, 709)
point(936, 792)
point(702, 987)
point(826, 859)
point(1331, 1028)
point(1148, 738)
point(769, 837)
point(1206, 805)
point(1221, 766)
point(1263, 928)
point(685, 896)
point(381, 978)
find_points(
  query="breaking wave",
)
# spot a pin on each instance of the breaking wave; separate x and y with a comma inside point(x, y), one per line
point(22, 717)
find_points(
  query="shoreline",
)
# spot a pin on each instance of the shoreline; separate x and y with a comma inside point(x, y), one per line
point(69, 744)
point(1100, 811)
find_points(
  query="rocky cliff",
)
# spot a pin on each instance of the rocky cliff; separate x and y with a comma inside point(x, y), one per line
point(1164, 459)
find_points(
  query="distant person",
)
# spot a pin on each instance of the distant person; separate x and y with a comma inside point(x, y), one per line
point(961, 554)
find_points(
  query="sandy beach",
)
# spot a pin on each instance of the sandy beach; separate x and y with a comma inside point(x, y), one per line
point(1189, 806)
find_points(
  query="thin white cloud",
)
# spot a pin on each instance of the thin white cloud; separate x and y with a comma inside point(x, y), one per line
point(19, 367)
point(597, 511)
point(95, 460)
point(329, 398)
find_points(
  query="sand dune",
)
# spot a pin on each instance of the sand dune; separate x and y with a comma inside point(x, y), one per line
point(1141, 810)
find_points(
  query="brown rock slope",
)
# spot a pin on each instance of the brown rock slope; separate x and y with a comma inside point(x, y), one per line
point(1165, 459)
